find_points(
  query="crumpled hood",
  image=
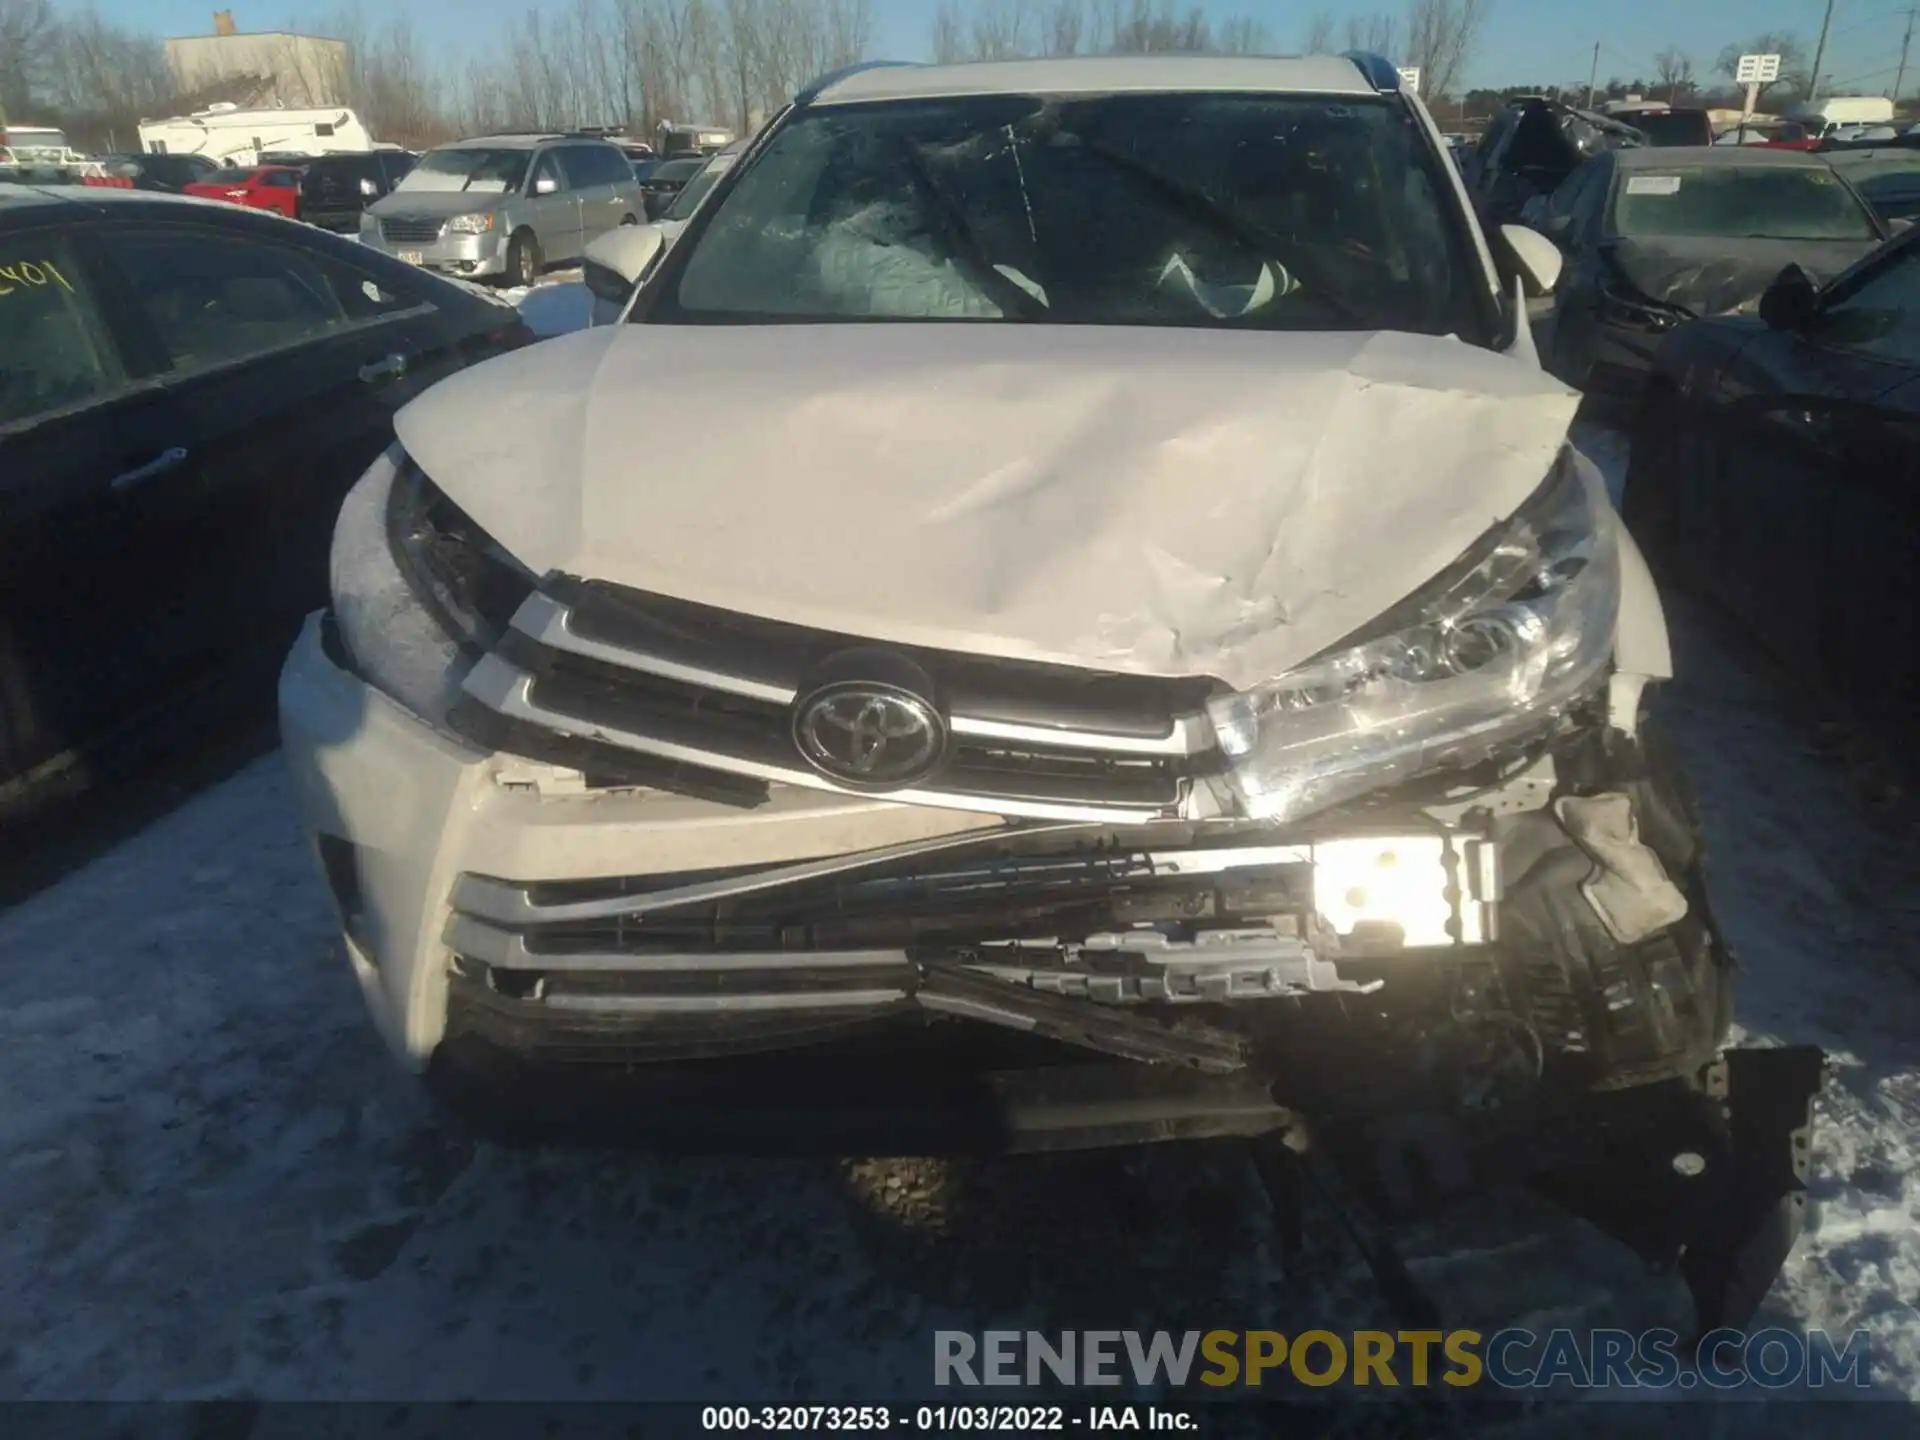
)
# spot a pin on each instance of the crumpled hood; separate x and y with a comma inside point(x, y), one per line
point(1722, 277)
point(1158, 501)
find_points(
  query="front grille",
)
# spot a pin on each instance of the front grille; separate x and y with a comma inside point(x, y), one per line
point(713, 691)
point(411, 232)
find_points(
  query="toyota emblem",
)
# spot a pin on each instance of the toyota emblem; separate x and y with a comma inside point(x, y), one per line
point(869, 736)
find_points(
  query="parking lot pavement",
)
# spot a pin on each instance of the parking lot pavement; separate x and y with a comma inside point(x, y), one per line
point(213, 1183)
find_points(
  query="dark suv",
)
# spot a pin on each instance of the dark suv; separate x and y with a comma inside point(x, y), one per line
point(165, 173)
point(337, 188)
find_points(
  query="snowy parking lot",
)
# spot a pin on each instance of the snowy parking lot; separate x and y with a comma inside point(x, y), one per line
point(213, 1182)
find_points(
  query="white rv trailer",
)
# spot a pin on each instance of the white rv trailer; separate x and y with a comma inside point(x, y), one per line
point(236, 136)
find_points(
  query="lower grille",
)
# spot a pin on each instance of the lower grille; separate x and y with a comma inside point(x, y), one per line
point(1084, 913)
point(411, 232)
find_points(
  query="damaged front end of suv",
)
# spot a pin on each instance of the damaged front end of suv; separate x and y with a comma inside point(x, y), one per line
point(1012, 736)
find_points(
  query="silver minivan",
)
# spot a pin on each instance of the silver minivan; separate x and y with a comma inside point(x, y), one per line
point(505, 206)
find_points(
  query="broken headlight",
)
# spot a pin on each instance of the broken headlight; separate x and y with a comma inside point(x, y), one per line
point(419, 590)
point(1485, 656)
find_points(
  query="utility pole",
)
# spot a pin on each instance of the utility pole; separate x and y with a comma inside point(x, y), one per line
point(1819, 54)
point(1906, 44)
point(1593, 75)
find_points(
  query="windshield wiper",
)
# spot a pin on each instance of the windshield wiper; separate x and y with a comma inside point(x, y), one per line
point(1255, 239)
point(966, 247)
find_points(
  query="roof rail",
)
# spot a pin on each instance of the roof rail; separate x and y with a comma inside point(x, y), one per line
point(833, 77)
point(1376, 70)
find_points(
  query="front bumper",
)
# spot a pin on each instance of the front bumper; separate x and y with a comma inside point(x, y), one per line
point(456, 254)
point(500, 910)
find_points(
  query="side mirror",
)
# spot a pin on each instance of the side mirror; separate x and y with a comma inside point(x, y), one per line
point(655, 203)
point(1900, 224)
point(1791, 301)
point(368, 188)
point(1538, 258)
point(616, 261)
point(545, 185)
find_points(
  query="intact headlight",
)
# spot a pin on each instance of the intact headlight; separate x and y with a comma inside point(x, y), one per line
point(419, 591)
point(471, 224)
point(1485, 656)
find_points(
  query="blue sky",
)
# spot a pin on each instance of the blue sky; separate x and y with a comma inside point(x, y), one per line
point(1527, 41)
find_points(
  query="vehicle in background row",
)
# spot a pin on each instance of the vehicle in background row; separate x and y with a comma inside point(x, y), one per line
point(679, 142)
point(1822, 117)
point(230, 135)
point(1134, 654)
point(1531, 147)
point(505, 206)
point(335, 189)
point(160, 174)
point(1776, 469)
point(1670, 127)
point(665, 182)
point(263, 187)
point(673, 220)
point(187, 389)
point(1655, 237)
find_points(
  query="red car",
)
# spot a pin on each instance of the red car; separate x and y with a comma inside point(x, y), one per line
point(262, 187)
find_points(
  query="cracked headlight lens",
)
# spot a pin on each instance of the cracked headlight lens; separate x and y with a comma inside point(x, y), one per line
point(419, 590)
point(1486, 655)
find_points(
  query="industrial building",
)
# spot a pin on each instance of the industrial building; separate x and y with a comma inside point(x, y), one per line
point(259, 68)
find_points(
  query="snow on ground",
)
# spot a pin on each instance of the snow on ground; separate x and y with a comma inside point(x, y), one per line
point(559, 303)
point(213, 1182)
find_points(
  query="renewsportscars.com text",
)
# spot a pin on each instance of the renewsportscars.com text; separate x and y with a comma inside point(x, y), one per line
point(1512, 1359)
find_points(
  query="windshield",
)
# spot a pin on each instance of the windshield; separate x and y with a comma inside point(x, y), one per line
point(490, 171)
point(233, 175)
point(689, 198)
point(1281, 212)
point(679, 171)
point(1674, 127)
point(1729, 202)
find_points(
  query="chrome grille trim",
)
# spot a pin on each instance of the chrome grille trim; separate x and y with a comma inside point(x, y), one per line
point(506, 689)
point(507, 950)
point(547, 620)
point(723, 1004)
point(506, 903)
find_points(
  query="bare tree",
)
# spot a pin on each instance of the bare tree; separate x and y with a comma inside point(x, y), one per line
point(26, 33)
point(949, 33)
point(1241, 35)
point(1674, 69)
point(1375, 33)
point(1319, 36)
point(1441, 38)
point(1002, 30)
point(1065, 28)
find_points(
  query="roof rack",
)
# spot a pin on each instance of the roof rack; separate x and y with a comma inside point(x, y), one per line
point(1376, 70)
point(812, 92)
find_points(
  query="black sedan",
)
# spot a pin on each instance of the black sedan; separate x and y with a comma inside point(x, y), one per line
point(1656, 237)
point(187, 390)
point(1776, 467)
point(659, 189)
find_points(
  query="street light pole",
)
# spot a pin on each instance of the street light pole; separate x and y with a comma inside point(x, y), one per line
point(1820, 53)
point(1906, 44)
point(1593, 74)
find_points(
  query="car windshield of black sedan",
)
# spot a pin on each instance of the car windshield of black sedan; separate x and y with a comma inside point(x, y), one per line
point(1733, 202)
point(1283, 212)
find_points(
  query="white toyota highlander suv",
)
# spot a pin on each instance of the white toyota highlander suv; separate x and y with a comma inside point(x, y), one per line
point(1125, 651)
